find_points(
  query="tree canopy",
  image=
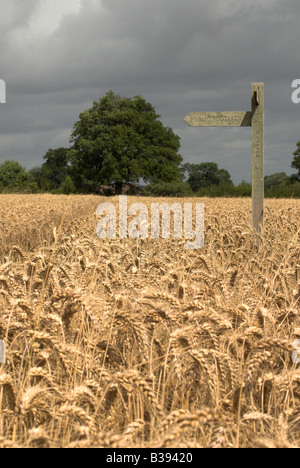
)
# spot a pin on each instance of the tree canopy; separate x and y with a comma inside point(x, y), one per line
point(55, 167)
point(296, 163)
point(120, 140)
point(12, 174)
point(276, 180)
point(204, 175)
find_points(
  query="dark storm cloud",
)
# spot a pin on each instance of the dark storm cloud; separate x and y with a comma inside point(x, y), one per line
point(180, 56)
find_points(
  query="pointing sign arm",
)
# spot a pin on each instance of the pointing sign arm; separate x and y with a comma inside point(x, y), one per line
point(219, 119)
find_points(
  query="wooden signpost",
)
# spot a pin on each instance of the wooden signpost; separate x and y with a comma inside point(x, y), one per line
point(254, 119)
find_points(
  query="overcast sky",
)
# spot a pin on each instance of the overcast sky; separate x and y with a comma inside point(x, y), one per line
point(58, 56)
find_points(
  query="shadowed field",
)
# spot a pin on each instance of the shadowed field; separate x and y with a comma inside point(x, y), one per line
point(144, 343)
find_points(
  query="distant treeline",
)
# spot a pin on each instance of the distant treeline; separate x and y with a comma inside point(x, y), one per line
point(198, 180)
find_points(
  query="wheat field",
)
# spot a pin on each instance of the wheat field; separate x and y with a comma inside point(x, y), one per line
point(143, 343)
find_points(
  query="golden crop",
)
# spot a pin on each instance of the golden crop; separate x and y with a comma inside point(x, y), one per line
point(143, 343)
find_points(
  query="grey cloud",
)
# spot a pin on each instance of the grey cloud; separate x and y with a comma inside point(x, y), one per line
point(180, 56)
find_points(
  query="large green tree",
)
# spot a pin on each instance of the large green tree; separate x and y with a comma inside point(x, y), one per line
point(296, 163)
point(204, 175)
point(121, 140)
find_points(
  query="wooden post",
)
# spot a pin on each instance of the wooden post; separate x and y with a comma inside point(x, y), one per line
point(255, 118)
point(257, 155)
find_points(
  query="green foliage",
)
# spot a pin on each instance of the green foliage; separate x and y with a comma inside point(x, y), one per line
point(35, 175)
point(285, 191)
point(205, 175)
point(244, 189)
point(12, 175)
point(169, 189)
point(54, 170)
point(34, 188)
point(296, 163)
point(276, 180)
point(120, 140)
point(225, 189)
point(68, 186)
